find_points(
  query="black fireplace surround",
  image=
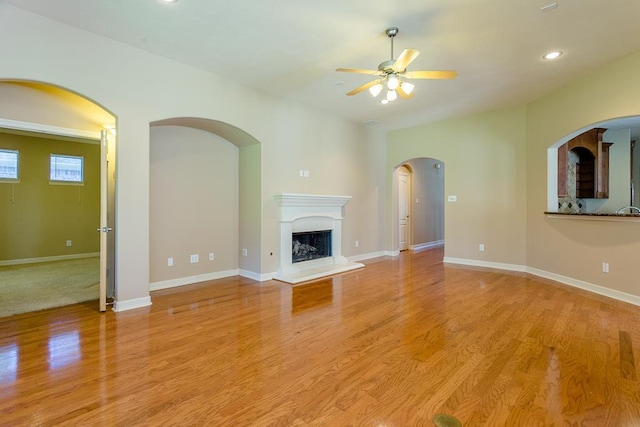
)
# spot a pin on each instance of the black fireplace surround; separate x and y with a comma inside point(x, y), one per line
point(310, 245)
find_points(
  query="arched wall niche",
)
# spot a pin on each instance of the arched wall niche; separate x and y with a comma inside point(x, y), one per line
point(220, 168)
point(233, 134)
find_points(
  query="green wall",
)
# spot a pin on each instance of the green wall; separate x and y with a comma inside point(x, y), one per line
point(37, 218)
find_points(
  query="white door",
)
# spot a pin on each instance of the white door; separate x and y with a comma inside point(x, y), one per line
point(103, 229)
point(404, 195)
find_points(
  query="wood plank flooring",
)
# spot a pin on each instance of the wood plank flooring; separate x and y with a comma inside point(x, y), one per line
point(392, 344)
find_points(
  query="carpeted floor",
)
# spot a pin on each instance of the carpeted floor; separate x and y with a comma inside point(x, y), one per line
point(31, 287)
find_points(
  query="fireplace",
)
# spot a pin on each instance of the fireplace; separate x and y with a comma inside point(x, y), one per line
point(314, 223)
point(310, 245)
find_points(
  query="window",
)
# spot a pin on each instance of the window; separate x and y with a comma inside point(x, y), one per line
point(66, 168)
point(9, 164)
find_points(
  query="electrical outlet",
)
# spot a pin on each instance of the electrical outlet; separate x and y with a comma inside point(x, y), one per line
point(194, 258)
point(357, 243)
point(605, 267)
point(244, 252)
point(306, 174)
point(211, 256)
point(69, 243)
point(481, 247)
point(169, 262)
point(452, 198)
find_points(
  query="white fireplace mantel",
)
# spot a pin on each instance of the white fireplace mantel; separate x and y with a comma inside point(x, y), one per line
point(311, 212)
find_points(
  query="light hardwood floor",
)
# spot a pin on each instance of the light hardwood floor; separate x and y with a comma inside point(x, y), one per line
point(389, 345)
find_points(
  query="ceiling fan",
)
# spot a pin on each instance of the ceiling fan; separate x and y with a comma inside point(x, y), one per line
point(392, 74)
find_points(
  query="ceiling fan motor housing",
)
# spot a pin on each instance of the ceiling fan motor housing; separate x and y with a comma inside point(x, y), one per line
point(387, 66)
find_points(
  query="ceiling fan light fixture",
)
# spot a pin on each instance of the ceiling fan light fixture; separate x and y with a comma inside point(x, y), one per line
point(393, 82)
point(407, 87)
point(376, 89)
point(390, 74)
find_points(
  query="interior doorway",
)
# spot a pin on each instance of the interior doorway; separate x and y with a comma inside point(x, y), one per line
point(418, 204)
point(404, 208)
point(68, 124)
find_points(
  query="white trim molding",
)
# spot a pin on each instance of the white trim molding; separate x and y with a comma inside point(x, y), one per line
point(428, 245)
point(370, 255)
point(131, 304)
point(48, 259)
point(586, 286)
point(486, 264)
point(256, 276)
point(191, 280)
point(50, 130)
point(569, 281)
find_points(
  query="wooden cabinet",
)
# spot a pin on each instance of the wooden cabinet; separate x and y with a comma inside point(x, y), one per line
point(583, 166)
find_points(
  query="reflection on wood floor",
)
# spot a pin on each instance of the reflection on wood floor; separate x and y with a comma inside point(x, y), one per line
point(392, 344)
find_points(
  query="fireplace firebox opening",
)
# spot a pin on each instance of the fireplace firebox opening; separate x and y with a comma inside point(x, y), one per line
point(310, 245)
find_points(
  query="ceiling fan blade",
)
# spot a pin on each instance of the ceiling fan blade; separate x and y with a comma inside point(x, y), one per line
point(403, 94)
point(363, 87)
point(406, 57)
point(355, 70)
point(430, 74)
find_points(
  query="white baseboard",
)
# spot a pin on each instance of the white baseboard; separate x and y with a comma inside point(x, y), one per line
point(48, 259)
point(596, 289)
point(487, 264)
point(428, 245)
point(256, 276)
point(580, 284)
point(131, 304)
point(173, 283)
point(370, 255)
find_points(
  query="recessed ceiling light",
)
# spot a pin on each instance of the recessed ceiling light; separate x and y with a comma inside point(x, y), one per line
point(169, 1)
point(553, 55)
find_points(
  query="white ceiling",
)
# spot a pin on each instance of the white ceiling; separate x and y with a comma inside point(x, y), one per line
point(292, 47)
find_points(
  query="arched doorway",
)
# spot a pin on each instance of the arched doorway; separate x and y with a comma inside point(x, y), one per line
point(43, 121)
point(418, 204)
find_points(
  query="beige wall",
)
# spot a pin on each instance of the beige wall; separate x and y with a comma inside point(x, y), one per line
point(574, 248)
point(36, 217)
point(193, 201)
point(341, 160)
point(485, 169)
point(140, 88)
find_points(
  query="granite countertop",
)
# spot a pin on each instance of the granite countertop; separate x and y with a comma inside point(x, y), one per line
point(603, 214)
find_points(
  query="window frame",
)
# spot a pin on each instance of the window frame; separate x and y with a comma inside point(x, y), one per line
point(57, 181)
point(17, 177)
